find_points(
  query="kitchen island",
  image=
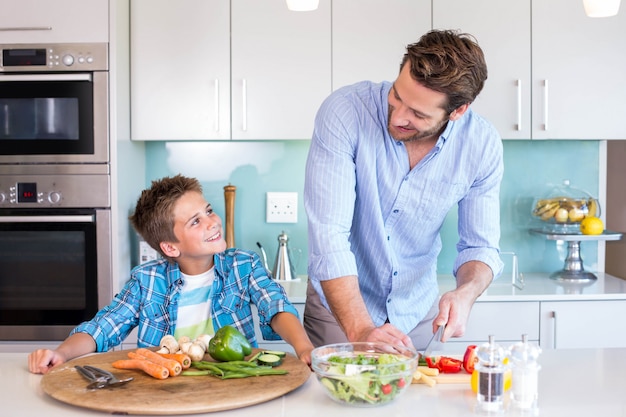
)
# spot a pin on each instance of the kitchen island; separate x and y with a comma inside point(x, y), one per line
point(572, 383)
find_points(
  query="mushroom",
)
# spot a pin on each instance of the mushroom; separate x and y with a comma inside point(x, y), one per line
point(168, 344)
point(184, 347)
point(196, 351)
point(204, 338)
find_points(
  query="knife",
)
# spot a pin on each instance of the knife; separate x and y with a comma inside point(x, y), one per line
point(431, 344)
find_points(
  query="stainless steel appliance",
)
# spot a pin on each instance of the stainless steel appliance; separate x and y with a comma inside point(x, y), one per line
point(55, 198)
point(55, 253)
point(54, 103)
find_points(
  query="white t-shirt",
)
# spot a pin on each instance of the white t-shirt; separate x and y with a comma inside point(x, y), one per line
point(194, 305)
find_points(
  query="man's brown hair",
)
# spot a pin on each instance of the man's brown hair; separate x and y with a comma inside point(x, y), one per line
point(449, 62)
point(154, 213)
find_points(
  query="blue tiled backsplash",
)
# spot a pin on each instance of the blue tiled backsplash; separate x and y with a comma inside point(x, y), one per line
point(532, 169)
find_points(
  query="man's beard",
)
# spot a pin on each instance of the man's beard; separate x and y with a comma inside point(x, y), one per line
point(436, 130)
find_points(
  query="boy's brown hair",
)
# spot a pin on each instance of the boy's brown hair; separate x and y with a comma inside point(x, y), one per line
point(154, 213)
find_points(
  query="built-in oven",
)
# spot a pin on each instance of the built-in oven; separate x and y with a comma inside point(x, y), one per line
point(55, 253)
point(54, 103)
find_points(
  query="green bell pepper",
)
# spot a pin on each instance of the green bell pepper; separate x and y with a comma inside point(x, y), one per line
point(229, 344)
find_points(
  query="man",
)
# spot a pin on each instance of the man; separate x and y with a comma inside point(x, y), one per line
point(387, 162)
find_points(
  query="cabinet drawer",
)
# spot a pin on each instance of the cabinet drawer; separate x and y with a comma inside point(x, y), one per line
point(506, 321)
point(583, 324)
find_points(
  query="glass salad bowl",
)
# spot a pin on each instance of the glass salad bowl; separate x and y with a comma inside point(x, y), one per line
point(364, 374)
point(562, 210)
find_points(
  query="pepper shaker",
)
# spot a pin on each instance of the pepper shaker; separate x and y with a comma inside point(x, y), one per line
point(490, 369)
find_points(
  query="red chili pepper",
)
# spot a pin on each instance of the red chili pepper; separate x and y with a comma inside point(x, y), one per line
point(449, 365)
point(386, 389)
point(470, 359)
point(431, 361)
point(444, 364)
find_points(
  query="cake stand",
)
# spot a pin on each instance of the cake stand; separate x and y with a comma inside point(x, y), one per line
point(573, 270)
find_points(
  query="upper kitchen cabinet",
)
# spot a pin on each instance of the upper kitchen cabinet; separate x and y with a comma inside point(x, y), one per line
point(280, 68)
point(54, 21)
point(180, 69)
point(502, 29)
point(370, 37)
point(220, 69)
point(579, 76)
point(552, 75)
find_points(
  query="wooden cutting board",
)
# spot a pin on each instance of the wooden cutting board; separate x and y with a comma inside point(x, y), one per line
point(172, 396)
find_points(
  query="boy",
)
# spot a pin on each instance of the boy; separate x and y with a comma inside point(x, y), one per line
point(196, 288)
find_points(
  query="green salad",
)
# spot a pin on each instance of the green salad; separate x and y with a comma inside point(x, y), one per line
point(361, 380)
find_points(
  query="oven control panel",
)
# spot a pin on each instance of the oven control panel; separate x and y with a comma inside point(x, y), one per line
point(72, 191)
point(54, 57)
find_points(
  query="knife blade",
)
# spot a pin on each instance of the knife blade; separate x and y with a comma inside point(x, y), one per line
point(431, 344)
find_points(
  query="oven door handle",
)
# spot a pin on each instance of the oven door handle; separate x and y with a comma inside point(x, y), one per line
point(46, 77)
point(48, 219)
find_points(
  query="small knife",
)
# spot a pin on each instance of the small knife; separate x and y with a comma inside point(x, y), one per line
point(431, 344)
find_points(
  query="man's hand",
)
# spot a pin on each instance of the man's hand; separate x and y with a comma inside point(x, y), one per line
point(455, 306)
point(387, 333)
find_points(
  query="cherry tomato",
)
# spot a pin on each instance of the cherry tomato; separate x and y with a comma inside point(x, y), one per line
point(401, 383)
point(386, 389)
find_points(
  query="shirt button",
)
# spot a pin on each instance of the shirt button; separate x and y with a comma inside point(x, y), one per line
point(396, 210)
point(395, 273)
point(388, 301)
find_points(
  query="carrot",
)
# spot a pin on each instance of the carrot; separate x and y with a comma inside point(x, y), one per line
point(184, 360)
point(173, 366)
point(154, 370)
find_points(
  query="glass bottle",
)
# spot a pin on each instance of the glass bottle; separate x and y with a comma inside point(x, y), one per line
point(525, 370)
point(490, 369)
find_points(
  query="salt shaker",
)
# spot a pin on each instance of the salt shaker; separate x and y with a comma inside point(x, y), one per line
point(490, 369)
point(525, 370)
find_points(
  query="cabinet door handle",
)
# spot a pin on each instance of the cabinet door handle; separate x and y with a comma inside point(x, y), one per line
point(217, 104)
point(545, 104)
point(553, 314)
point(519, 105)
point(244, 101)
point(24, 28)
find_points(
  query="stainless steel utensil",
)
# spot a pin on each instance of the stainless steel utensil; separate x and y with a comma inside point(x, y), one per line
point(431, 344)
point(99, 378)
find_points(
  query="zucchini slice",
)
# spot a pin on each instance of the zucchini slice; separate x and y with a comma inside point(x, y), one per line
point(269, 359)
point(275, 352)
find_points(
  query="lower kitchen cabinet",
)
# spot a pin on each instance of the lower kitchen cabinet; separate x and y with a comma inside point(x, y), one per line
point(582, 324)
point(506, 321)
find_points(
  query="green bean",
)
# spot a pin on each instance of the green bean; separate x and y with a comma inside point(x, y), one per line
point(232, 369)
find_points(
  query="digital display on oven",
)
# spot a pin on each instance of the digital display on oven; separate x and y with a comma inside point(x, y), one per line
point(23, 57)
point(26, 192)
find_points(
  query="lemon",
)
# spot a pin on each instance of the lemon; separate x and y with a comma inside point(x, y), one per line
point(591, 226)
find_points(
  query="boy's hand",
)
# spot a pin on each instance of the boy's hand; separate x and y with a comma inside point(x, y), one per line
point(41, 360)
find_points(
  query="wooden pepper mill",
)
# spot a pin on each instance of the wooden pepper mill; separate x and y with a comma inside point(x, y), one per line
point(229, 199)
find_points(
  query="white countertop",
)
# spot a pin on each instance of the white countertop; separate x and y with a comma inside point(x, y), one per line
point(536, 287)
point(572, 383)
